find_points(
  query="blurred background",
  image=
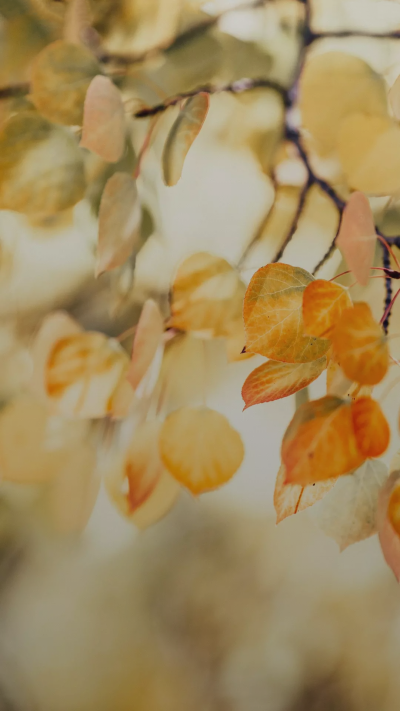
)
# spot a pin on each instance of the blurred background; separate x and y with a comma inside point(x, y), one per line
point(214, 608)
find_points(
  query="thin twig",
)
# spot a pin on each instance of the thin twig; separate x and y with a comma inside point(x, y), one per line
point(295, 221)
point(8, 92)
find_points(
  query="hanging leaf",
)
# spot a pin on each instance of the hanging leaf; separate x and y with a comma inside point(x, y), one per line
point(200, 448)
point(207, 295)
point(323, 303)
point(119, 222)
point(78, 18)
point(360, 345)
point(370, 426)
point(348, 514)
point(369, 151)
point(273, 316)
point(103, 130)
point(290, 499)
point(182, 135)
point(235, 339)
point(274, 380)
point(320, 442)
point(357, 237)
point(336, 381)
point(61, 75)
point(148, 338)
point(334, 85)
point(54, 327)
point(388, 517)
point(140, 486)
point(41, 166)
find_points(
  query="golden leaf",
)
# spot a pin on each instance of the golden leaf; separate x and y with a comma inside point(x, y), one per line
point(274, 380)
point(103, 130)
point(370, 426)
point(388, 522)
point(182, 135)
point(290, 499)
point(148, 338)
point(323, 303)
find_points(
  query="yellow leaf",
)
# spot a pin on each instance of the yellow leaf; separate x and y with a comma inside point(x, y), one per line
point(103, 130)
point(357, 237)
point(273, 315)
point(182, 135)
point(334, 85)
point(388, 522)
point(41, 166)
point(207, 295)
point(274, 380)
point(200, 448)
point(369, 150)
point(323, 303)
point(119, 222)
point(61, 75)
point(148, 338)
point(290, 499)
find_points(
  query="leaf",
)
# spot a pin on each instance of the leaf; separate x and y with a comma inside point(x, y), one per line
point(182, 135)
point(320, 442)
point(235, 339)
point(274, 380)
point(336, 381)
point(78, 18)
point(200, 448)
point(103, 130)
point(119, 222)
point(273, 315)
point(369, 151)
point(348, 514)
point(334, 85)
point(140, 486)
point(207, 295)
point(370, 426)
point(61, 74)
point(290, 499)
point(41, 166)
point(360, 345)
point(357, 237)
point(148, 338)
point(323, 303)
point(388, 513)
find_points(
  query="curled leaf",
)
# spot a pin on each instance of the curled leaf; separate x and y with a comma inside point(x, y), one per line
point(323, 303)
point(207, 295)
point(273, 316)
point(360, 345)
point(274, 380)
point(370, 426)
point(103, 130)
point(348, 514)
point(119, 222)
point(388, 517)
point(182, 135)
point(290, 499)
point(41, 166)
point(200, 448)
point(357, 237)
point(148, 338)
point(61, 75)
point(320, 442)
point(54, 327)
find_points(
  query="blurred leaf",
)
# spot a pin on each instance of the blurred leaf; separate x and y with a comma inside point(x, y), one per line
point(148, 338)
point(388, 522)
point(54, 327)
point(61, 75)
point(357, 237)
point(323, 304)
point(78, 18)
point(41, 166)
point(290, 499)
point(349, 512)
point(119, 222)
point(273, 315)
point(104, 129)
point(360, 345)
point(200, 448)
point(182, 135)
point(370, 426)
point(274, 380)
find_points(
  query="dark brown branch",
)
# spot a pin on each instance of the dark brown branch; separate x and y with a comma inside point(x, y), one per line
point(295, 221)
point(8, 92)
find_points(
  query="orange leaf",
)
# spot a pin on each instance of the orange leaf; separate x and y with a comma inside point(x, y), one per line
point(323, 303)
point(320, 442)
point(290, 499)
point(103, 130)
point(388, 522)
point(148, 338)
point(273, 315)
point(275, 380)
point(360, 345)
point(119, 222)
point(200, 448)
point(182, 135)
point(357, 237)
point(370, 426)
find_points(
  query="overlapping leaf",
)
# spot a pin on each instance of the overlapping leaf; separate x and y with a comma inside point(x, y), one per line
point(370, 426)
point(103, 130)
point(360, 345)
point(200, 448)
point(290, 499)
point(182, 135)
point(323, 303)
point(274, 380)
point(148, 338)
point(357, 237)
point(273, 316)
